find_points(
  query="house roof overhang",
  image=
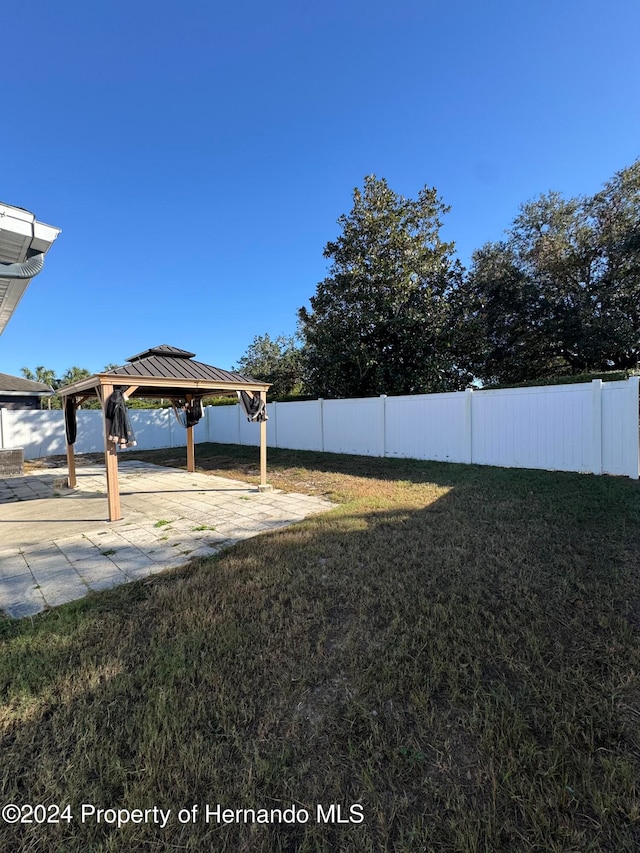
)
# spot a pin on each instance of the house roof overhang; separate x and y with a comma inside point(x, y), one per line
point(22, 238)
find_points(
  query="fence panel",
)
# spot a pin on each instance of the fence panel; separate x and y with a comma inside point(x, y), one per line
point(298, 425)
point(428, 426)
point(41, 433)
point(90, 433)
point(620, 448)
point(224, 426)
point(152, 428)
point(36, 432)
point(250, 430)
point(354, 426)
point(543, 427)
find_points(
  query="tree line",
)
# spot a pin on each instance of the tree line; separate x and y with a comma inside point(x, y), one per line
point(397, 313)
point(48, 377)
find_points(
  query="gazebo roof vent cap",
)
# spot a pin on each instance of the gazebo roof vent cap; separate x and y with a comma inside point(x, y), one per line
point(164, 350)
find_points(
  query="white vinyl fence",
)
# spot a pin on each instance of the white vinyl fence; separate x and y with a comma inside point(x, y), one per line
point(41, 433)
point(587, 427)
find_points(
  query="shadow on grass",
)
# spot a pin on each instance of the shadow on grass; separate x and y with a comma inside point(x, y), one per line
point(462, 662)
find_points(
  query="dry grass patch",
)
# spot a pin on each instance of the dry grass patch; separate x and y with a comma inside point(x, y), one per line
point(455, 648)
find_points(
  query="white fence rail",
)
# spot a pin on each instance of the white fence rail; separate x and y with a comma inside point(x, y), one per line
point(588, 427)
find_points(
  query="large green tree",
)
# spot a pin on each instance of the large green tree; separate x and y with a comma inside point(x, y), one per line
point(276, 360)
point(561, 294)
point(383, 321)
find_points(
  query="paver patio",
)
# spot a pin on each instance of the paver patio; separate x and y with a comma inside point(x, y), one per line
point(56, 547)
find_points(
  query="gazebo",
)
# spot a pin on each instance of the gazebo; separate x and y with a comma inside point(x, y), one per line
point(162, 371)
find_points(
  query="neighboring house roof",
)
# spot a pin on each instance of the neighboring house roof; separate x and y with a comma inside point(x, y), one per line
point(23, 244)
point(19, 385)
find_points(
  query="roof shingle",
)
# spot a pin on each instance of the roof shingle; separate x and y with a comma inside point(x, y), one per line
point(26, 386)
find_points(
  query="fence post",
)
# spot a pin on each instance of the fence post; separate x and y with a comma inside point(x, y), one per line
point(633, 421)
point(596, 404)
point(238, 424)
point(321, 416)
point(1, 428)
point(383, 425)
point(468, 422)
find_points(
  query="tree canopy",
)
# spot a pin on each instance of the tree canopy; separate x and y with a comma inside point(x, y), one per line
point(277, 361)
point(48, 376)
point(41, 374)
point(383, 321)
point(561, 294)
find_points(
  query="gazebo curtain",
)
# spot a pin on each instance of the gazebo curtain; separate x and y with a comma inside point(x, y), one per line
point(120, 430)
point(254, 406)
point(70, 419)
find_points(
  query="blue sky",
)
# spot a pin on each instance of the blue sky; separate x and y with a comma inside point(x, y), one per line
point(197, 155)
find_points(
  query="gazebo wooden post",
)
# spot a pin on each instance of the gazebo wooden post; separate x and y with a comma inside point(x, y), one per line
point(110, 459)
point(263, 449)
point(71, 459)
point(191, 454)
point(71, 466)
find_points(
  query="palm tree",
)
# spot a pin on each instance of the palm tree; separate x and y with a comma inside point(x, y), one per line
point(41, 374)
point(44, 375)
point(74, 374)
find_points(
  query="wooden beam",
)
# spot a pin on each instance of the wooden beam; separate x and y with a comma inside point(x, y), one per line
point(203, 387)
point(191, 453)
point(71, 466)
point(130, 390)
point(110, 459)
point(263, 447)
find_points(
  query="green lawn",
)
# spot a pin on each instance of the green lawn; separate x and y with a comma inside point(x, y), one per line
point(455, 649)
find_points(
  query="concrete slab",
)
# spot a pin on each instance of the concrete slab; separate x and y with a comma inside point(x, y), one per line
point(57, 548)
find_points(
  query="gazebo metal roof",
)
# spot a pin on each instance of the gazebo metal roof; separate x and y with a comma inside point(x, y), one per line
point(172, 372)
point(161, 371)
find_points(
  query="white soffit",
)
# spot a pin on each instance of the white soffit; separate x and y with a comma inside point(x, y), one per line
point(21, 235)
